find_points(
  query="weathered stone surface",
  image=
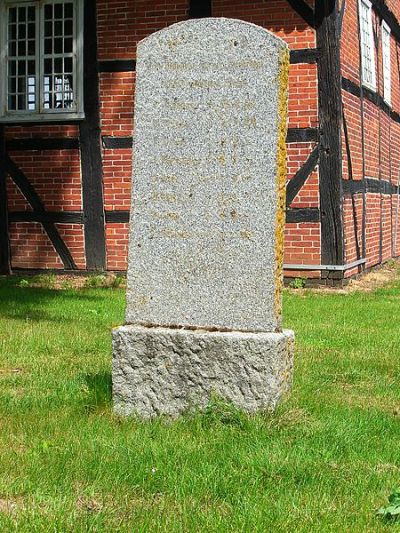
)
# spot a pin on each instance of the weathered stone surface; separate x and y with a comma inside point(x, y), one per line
point(209, 176)
point(167, 371)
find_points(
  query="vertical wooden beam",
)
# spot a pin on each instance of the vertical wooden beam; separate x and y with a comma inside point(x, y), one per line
point(5, 267)
point(91, 151)
point(200, 9)
point(330, 115)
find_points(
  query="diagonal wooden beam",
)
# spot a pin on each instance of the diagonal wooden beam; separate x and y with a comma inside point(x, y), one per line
point(23, 184)
point(296, 183)
point(304, 10)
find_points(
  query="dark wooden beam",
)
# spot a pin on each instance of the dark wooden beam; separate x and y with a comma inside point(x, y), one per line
point(91, 151)
point(117, 217)
point(117, 65)
point(330, 113)
point(23, 184)
point(200, 9)
point(114, 143)
point(294, 135)
point(388, 16)
point(299, 215)
point(372, 96)
point(304, 55)
point(298, 180)
point(59, 217)
point(5, 265)
point(304, 10)
point(371, 185)
point(301, 55)
point(295, 215)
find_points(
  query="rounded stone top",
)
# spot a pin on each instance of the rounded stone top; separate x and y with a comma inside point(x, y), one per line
point(203, 30)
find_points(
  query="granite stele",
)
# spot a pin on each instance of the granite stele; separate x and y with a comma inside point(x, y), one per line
point(206, 239)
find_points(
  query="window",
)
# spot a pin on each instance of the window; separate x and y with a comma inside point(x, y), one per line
point(41, 60)
point(387, 78)
point(367, 45)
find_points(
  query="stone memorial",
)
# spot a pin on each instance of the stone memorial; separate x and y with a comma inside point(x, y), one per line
point(204, 290)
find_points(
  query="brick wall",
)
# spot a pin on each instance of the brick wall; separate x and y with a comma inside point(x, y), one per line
point(373, 141)
point(121, 24)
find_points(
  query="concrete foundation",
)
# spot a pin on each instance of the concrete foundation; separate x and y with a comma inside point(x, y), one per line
point(168, 371)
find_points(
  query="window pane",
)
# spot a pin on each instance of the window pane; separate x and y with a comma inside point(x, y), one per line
point(12, 102)
point(48, 46)
point(12, 68)
point(68, 65)
point(31, 31)
point(12, 15)
point(58, 61)
point(21, 31)
point(58, 28)
point(21, 99)
point(12, 32)
point(31, 13)
point(48, 11)
point(21, 14)
point(58, 11)
point(21, 69)
point(58, 46)
point(12, 85)
point(68, 27)
point(68, 46)
point(58, 65)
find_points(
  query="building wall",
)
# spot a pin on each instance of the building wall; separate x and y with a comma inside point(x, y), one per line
point(373, 141)
point(56, 174)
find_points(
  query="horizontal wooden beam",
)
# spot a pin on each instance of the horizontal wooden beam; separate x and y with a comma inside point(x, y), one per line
point(57, 217)
point(304, 55)
point(301, 55)
point(115, 143)
point(117, 217)
point(370, 185)
point(122, 217)
point(372, 96)
point(294, 135)
point(302, 135)
point(388, 16)
point(299, 215)
point(117, 65)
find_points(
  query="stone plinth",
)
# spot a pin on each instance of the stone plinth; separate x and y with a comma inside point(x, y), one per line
point(166, 371)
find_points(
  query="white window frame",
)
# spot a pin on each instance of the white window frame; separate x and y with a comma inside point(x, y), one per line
point(386, 63)
point(41, 114)
point(367, 42)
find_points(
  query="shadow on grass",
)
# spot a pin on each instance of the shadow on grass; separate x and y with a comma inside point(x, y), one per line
point(100, 390)
point(22, 303)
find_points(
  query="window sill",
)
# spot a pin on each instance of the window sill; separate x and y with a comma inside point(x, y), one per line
point(369, 86)
point(42, 118)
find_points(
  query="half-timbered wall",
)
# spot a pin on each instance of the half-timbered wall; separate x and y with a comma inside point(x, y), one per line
point(371, 142)
point(68, 185)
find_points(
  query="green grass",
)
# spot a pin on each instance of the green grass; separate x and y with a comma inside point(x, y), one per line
point(325, 461)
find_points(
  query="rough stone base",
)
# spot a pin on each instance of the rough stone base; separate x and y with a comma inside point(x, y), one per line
point(167, 371)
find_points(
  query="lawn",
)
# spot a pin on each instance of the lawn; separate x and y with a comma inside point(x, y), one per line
point(325, 461)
